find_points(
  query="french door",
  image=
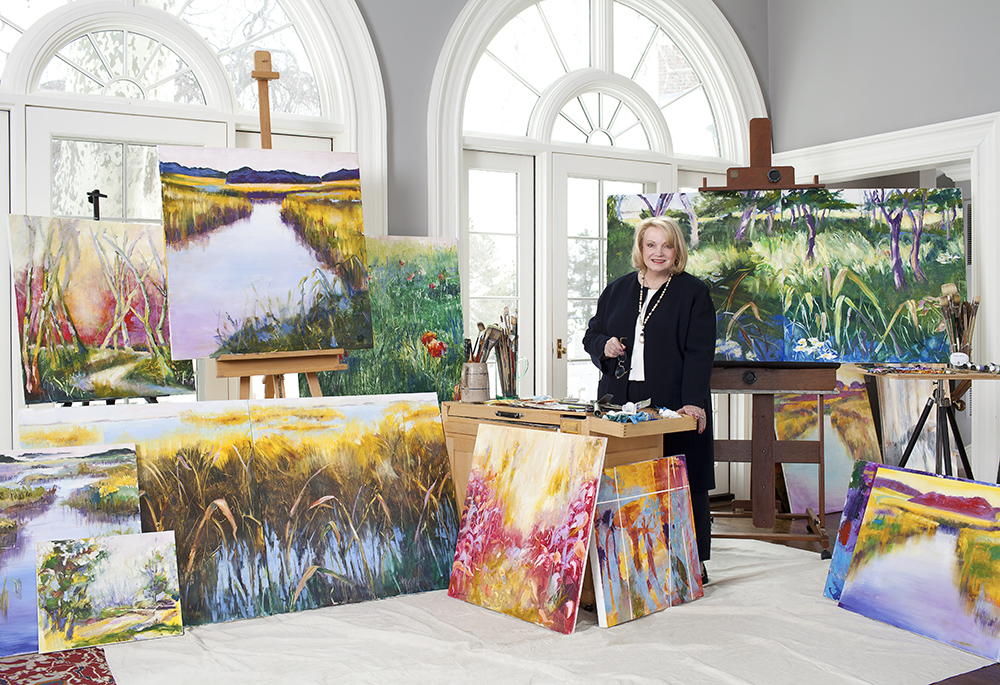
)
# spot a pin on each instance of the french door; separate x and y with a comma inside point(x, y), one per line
point(580, 188)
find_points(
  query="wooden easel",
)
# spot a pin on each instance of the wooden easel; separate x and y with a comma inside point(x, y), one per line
point(763, 450)
point(274, 365)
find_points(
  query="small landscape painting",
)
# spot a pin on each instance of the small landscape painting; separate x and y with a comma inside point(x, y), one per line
point(100, 591)
point(92, 310)
point(265, 251)
point(926, 559)
point(51, 494)
point(526, 526)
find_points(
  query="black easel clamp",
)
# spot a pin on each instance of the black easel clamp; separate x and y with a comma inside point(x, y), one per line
point(94, 198)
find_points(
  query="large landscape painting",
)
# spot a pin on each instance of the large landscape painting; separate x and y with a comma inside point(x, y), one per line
point(285, 505)
point(92, 310)
point(265, 251)
point(815, 275)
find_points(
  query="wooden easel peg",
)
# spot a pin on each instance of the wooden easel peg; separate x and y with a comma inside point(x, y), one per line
point(262, 74)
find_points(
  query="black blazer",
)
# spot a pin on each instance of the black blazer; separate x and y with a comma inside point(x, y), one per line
point(680, 349)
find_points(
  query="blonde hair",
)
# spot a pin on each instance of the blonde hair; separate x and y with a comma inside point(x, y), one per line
point(675, 239)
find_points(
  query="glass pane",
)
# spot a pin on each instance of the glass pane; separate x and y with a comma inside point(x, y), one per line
point(228, 24)
point(139, 51)
point(622, 188)
point(665, 73)
point(524, 46)
point(496, 102)
point(581, 380)
point(623, 119)
point(564, 131)
point(583, 264)
point(492, 265)
point(573, 111)
point(486, 312)
point(111, 46)
point(81, 53)
point(185, 88)
point(578, 315)
point(294, 93)
point(124, 89)
point(583, 207)
point(631, 35)
point(142, 183)
point(692, 126)
point(79, 166)
point(492, 201)
point(60, 76)
point(570, 23)
point(634, 138)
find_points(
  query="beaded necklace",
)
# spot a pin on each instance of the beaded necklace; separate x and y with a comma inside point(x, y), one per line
point(663, 288)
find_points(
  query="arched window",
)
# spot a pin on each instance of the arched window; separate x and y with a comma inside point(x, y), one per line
point(88, 89)
point(598, 97)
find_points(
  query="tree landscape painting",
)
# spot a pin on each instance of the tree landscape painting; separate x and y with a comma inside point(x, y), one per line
point(104, 590)
point(53, 494)
point(265, 251)
point(814, 275)
point(526, 525)
point(286, 505)
point(416, 309)
point(926, 560)
point(644, 557)
point(92, 310)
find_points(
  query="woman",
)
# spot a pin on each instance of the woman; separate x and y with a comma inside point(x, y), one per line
point(653, 337)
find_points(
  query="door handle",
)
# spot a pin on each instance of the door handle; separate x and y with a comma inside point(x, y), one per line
point(560, 349)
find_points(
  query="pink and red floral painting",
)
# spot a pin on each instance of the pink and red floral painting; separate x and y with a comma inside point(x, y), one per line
point(525, 530)
point(644, 557)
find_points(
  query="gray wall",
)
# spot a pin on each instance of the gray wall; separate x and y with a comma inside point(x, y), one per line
point(829, 69)
point(851, 68)
point(408, 36)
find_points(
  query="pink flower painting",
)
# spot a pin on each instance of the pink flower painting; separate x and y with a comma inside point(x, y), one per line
point(529, 510)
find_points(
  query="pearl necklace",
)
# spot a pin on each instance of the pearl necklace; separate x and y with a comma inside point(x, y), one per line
point(663, 288)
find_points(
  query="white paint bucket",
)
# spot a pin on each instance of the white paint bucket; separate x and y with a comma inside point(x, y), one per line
point(475, 383)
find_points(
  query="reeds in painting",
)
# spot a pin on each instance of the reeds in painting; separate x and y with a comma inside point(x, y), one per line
point(92, 310)
point(416, 310)
point(816, 274)
point(99, 591)
point(288, 505)
point(926, 559)
point(526, 526)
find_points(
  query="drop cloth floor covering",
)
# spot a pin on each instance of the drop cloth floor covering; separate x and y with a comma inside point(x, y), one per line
point(763, 620)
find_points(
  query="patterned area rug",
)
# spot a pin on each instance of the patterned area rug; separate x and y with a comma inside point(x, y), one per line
point(73, 667)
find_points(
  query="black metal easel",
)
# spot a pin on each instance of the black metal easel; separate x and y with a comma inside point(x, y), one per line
point(945, 419)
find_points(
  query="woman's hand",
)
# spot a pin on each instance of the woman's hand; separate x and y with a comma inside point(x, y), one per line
point(697, 412)
point(613, 348)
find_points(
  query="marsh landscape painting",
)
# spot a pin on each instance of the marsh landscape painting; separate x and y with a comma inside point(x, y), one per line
point(814, 275)
point(286, 505)
point(265, 251)
point(104, 590)
point(92, 310)
point(526, 525)
point(416, 306)
point(926, 560)
point(848, 437)
point(52, 494)
point(644, 556)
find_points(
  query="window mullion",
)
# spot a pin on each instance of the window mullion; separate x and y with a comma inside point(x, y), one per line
point(601, 32)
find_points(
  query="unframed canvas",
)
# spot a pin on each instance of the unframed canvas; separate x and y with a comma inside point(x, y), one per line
point(265, 251)
point(105, 590)
point(275, 508)
point(52, 494)
point(92, 310)
point(526, 526)
point(814, 275)
point(925, 559)
point(644, 557)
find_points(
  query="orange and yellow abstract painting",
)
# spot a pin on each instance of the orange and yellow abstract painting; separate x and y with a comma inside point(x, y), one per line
point(525, 530)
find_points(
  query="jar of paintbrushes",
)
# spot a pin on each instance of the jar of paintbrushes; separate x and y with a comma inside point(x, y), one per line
point(959, 322)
